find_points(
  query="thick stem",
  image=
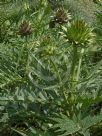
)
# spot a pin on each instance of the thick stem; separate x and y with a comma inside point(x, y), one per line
point(73, 67)
point(79, 65)
point(75, 73)
point(73, 80)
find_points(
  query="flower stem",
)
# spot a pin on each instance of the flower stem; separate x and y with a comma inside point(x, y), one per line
point(73, 68)
point(79, 65)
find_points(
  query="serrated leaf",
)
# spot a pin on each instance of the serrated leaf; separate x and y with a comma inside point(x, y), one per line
point(66, 125)
point(89, 121)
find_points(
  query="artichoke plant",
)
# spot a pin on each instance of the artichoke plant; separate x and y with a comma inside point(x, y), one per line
point(78, 33)
point(25, 29)
point(62, 16)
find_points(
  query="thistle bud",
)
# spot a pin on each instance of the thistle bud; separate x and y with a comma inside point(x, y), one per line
point(62, 16)
point(25, 29)
point(78, 33)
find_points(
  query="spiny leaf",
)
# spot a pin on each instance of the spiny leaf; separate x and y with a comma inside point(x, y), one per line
point(90, 121)
point(66, 125)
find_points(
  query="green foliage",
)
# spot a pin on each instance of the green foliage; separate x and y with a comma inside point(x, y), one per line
point(76, 125)
point(48, 86)
point(66, 125)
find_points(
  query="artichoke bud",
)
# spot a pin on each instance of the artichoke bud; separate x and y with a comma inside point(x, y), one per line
point(78, 33)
